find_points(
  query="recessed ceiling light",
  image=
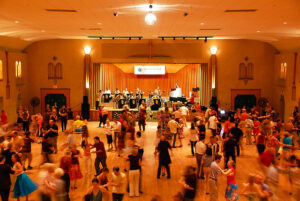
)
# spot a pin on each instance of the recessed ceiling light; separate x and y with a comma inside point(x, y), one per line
point(284, 23)
point(99, 23)
point(17, 22)
point(43, 30)
point(258, 31)
point(202, 23)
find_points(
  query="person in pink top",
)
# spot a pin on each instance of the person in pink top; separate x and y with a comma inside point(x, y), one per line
point(256, 129)
point(231, 192)
point(3, 117)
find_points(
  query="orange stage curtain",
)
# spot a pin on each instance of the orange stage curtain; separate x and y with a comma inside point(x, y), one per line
point(191, 76)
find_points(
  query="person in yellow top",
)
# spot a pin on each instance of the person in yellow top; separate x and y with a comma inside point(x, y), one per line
point(77, 125)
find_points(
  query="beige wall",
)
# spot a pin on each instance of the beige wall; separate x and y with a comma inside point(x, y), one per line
point(17, 87)
point(284, 88)
point(230, 53)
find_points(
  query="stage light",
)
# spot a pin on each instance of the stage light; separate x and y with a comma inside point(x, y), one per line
point(150, 19)
point(113, 38)
point(183, 38)
point(162, 38)
point(213, 50)
point(205, 39)
point(87, 49)
point(129, 38)
point(222, 112)
point(197, 38)
point(140, 38)
point(116, 14)
point(100, 38)
point(174, 38)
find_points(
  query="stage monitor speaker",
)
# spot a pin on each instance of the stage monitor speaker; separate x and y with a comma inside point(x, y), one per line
point(121, 103)
point(132, 103)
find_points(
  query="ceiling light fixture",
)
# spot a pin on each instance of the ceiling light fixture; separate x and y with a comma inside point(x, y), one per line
point(99, 23)
point(284, 23)
point(116, 14)
point(42, 31)
point(17, 22)
point(87, 49)
point(202, 23)
point(258, 31)
point(150, 18)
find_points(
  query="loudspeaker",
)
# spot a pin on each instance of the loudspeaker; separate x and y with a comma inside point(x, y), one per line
point(85, 99)
point(132, 103)
point(85, 108)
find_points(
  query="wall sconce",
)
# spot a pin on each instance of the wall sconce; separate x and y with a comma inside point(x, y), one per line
point(213, 50)
point(87, 49)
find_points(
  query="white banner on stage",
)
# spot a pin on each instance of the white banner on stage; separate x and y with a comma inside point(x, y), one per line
point(149, 69)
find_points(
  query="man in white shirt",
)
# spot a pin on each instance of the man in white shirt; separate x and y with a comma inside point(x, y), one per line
point(212, 124)
point(173, 125)
point(117, 131)
point(118, 184)
point(200, 151)
point(184, 113)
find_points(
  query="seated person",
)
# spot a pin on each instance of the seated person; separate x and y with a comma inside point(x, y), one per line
point(78, 124)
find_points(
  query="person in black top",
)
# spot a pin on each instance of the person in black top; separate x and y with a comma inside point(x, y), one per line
point(5, 171)
point(134, 171)
point(8, 154)
point(52, 131)
point(164, 156)
point(63, 117)
point(189, 183)
point(237, 135)
point(229, 149)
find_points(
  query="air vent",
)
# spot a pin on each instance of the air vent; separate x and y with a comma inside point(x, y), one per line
point(241, 11)
point(91, 29)
point(62, 10)
point(215, 29)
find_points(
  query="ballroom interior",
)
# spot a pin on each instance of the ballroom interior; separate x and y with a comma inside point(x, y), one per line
point(67, 51)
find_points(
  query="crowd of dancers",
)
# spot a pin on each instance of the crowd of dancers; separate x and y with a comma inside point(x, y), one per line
point(211, 142)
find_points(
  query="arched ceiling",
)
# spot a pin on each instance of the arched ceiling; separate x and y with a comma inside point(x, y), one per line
point(273, 21)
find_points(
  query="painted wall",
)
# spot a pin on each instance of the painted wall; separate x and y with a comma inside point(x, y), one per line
point(284, 88)
point(18, 89)
point(230, 54)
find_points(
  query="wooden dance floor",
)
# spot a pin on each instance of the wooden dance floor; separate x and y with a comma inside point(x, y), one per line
point(247, 163)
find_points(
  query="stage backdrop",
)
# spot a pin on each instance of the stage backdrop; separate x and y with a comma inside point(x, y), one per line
point(109, 76)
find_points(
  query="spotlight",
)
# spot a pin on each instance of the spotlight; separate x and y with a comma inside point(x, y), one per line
point(113, 38)
point(162, 38)
point(205, 39)
point(116, 14)
point(183, 38)
point(174, 38)
point(197, 38)
point(129, 38)
point(100, 38)
point(185, 14)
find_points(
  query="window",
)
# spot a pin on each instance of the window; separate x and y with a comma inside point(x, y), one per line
point(283, 69)
point(1, 70)
point(246, 71)
point(18, 69)
point(54, 71)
